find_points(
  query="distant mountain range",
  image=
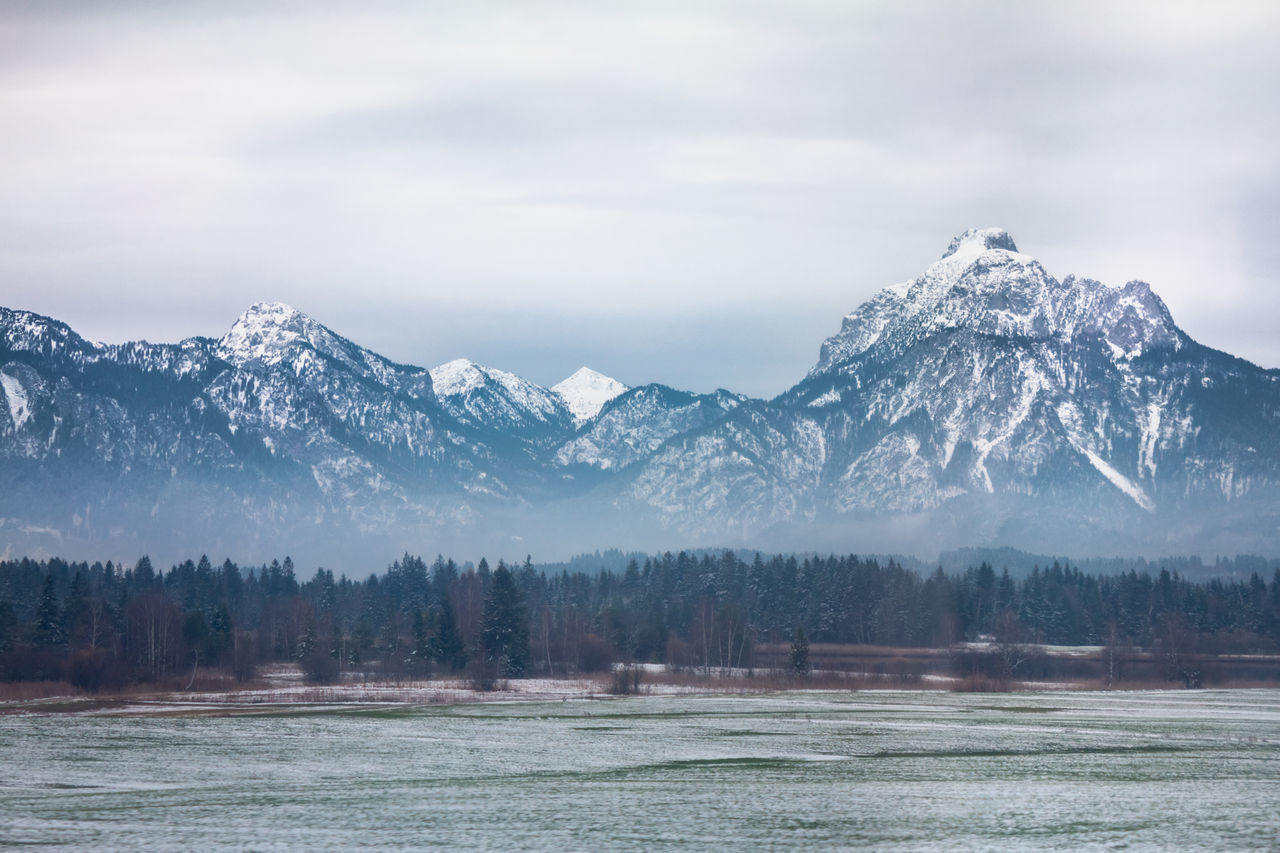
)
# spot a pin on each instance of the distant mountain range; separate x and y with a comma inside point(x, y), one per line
point(984, 403)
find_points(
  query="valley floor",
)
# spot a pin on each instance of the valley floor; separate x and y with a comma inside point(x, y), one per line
point(282, 688)
point(793, 770)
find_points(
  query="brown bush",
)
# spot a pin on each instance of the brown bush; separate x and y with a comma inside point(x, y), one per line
point(980, 683)
point(626, 680)
point(595, 655)
point(92, 670)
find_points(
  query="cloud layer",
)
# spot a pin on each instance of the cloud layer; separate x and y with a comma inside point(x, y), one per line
point(687, 193)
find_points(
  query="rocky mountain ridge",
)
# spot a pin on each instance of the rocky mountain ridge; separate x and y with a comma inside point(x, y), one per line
point(984, 403)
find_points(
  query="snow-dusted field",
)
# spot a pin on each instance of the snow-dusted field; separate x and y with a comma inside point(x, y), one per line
point(1179, 770)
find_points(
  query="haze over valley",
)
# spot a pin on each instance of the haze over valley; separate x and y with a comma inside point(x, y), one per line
point(984, 403)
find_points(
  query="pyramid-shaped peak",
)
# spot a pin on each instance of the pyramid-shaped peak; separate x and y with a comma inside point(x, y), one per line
point(586, 392)
point(585, 375)
point(457, 377)
point(982, 239)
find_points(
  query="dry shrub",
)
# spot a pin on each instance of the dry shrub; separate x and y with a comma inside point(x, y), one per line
point(625, 680)
point(980, 683)
point(214, 681)
point(678, 653)
point(320, 667)
point(594, 654)
point(25, 691)
point(93, 670)
point(482, 676)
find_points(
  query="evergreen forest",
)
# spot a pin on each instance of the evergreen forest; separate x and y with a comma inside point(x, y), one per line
point(101, 626)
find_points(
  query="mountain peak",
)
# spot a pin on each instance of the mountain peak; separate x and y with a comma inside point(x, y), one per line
point(586, 392)
point(270, 314)
point(985, 285)
point(264, 331)
point(982, 239)
point(457, 377)
point(475, 394)
point(31, 332)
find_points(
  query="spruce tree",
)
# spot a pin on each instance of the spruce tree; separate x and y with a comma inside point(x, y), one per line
point(8, 625)
point(76, 612)
point(800, 652)
point(420, 658)
point(505, 636)
point(49, 617)
point(446, 646)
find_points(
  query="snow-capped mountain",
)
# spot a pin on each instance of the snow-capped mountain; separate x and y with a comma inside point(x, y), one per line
point(497, 400)
point(985, 402)
point(988, 400)
point(586, 392)
point(279, 430)
point(984, 284)
point(634, 424)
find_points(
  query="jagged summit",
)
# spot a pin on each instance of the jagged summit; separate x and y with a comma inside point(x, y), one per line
point(494, 398)
point(30, 332)
point(977, 249)
point(274, 338)
point(586, 392)
point(984, 401)
point(982, 239)
point(266, 331)
point(985, 285)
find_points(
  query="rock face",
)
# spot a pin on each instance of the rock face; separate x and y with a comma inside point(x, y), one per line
point(282, 431)
point(988, 400)
point(633, 425)
point(984, 403)
point(494, 399)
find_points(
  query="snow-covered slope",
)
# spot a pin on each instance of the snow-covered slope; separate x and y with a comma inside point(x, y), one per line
point(984, 402)
point(634, 424)
point(988, 401)
point(280, 430)
point(586, 392)
point(985, 285)
point(498, 400)
point(271, 334)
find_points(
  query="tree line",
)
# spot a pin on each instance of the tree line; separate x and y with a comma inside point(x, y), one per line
point(103, 625)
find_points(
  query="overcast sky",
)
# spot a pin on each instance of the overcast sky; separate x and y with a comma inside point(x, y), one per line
point(691, 193)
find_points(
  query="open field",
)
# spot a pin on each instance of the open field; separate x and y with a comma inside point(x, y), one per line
point(883, 769)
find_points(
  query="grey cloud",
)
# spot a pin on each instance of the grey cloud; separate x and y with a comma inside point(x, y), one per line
point(702, 188)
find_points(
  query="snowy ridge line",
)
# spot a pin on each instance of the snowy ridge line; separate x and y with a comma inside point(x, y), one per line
point(983, 402)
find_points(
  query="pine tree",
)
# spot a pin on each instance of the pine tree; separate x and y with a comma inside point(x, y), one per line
point(420, 658)
point(800, 652)
point(318, 666)
point(76, 612)
point(307, 642)
point(505, 636)
point(49, 617)
point(447, 647)
point(143, 573)
point(8, 625)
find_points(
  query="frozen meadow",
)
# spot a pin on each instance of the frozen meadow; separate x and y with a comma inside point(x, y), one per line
point(1188, 770)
